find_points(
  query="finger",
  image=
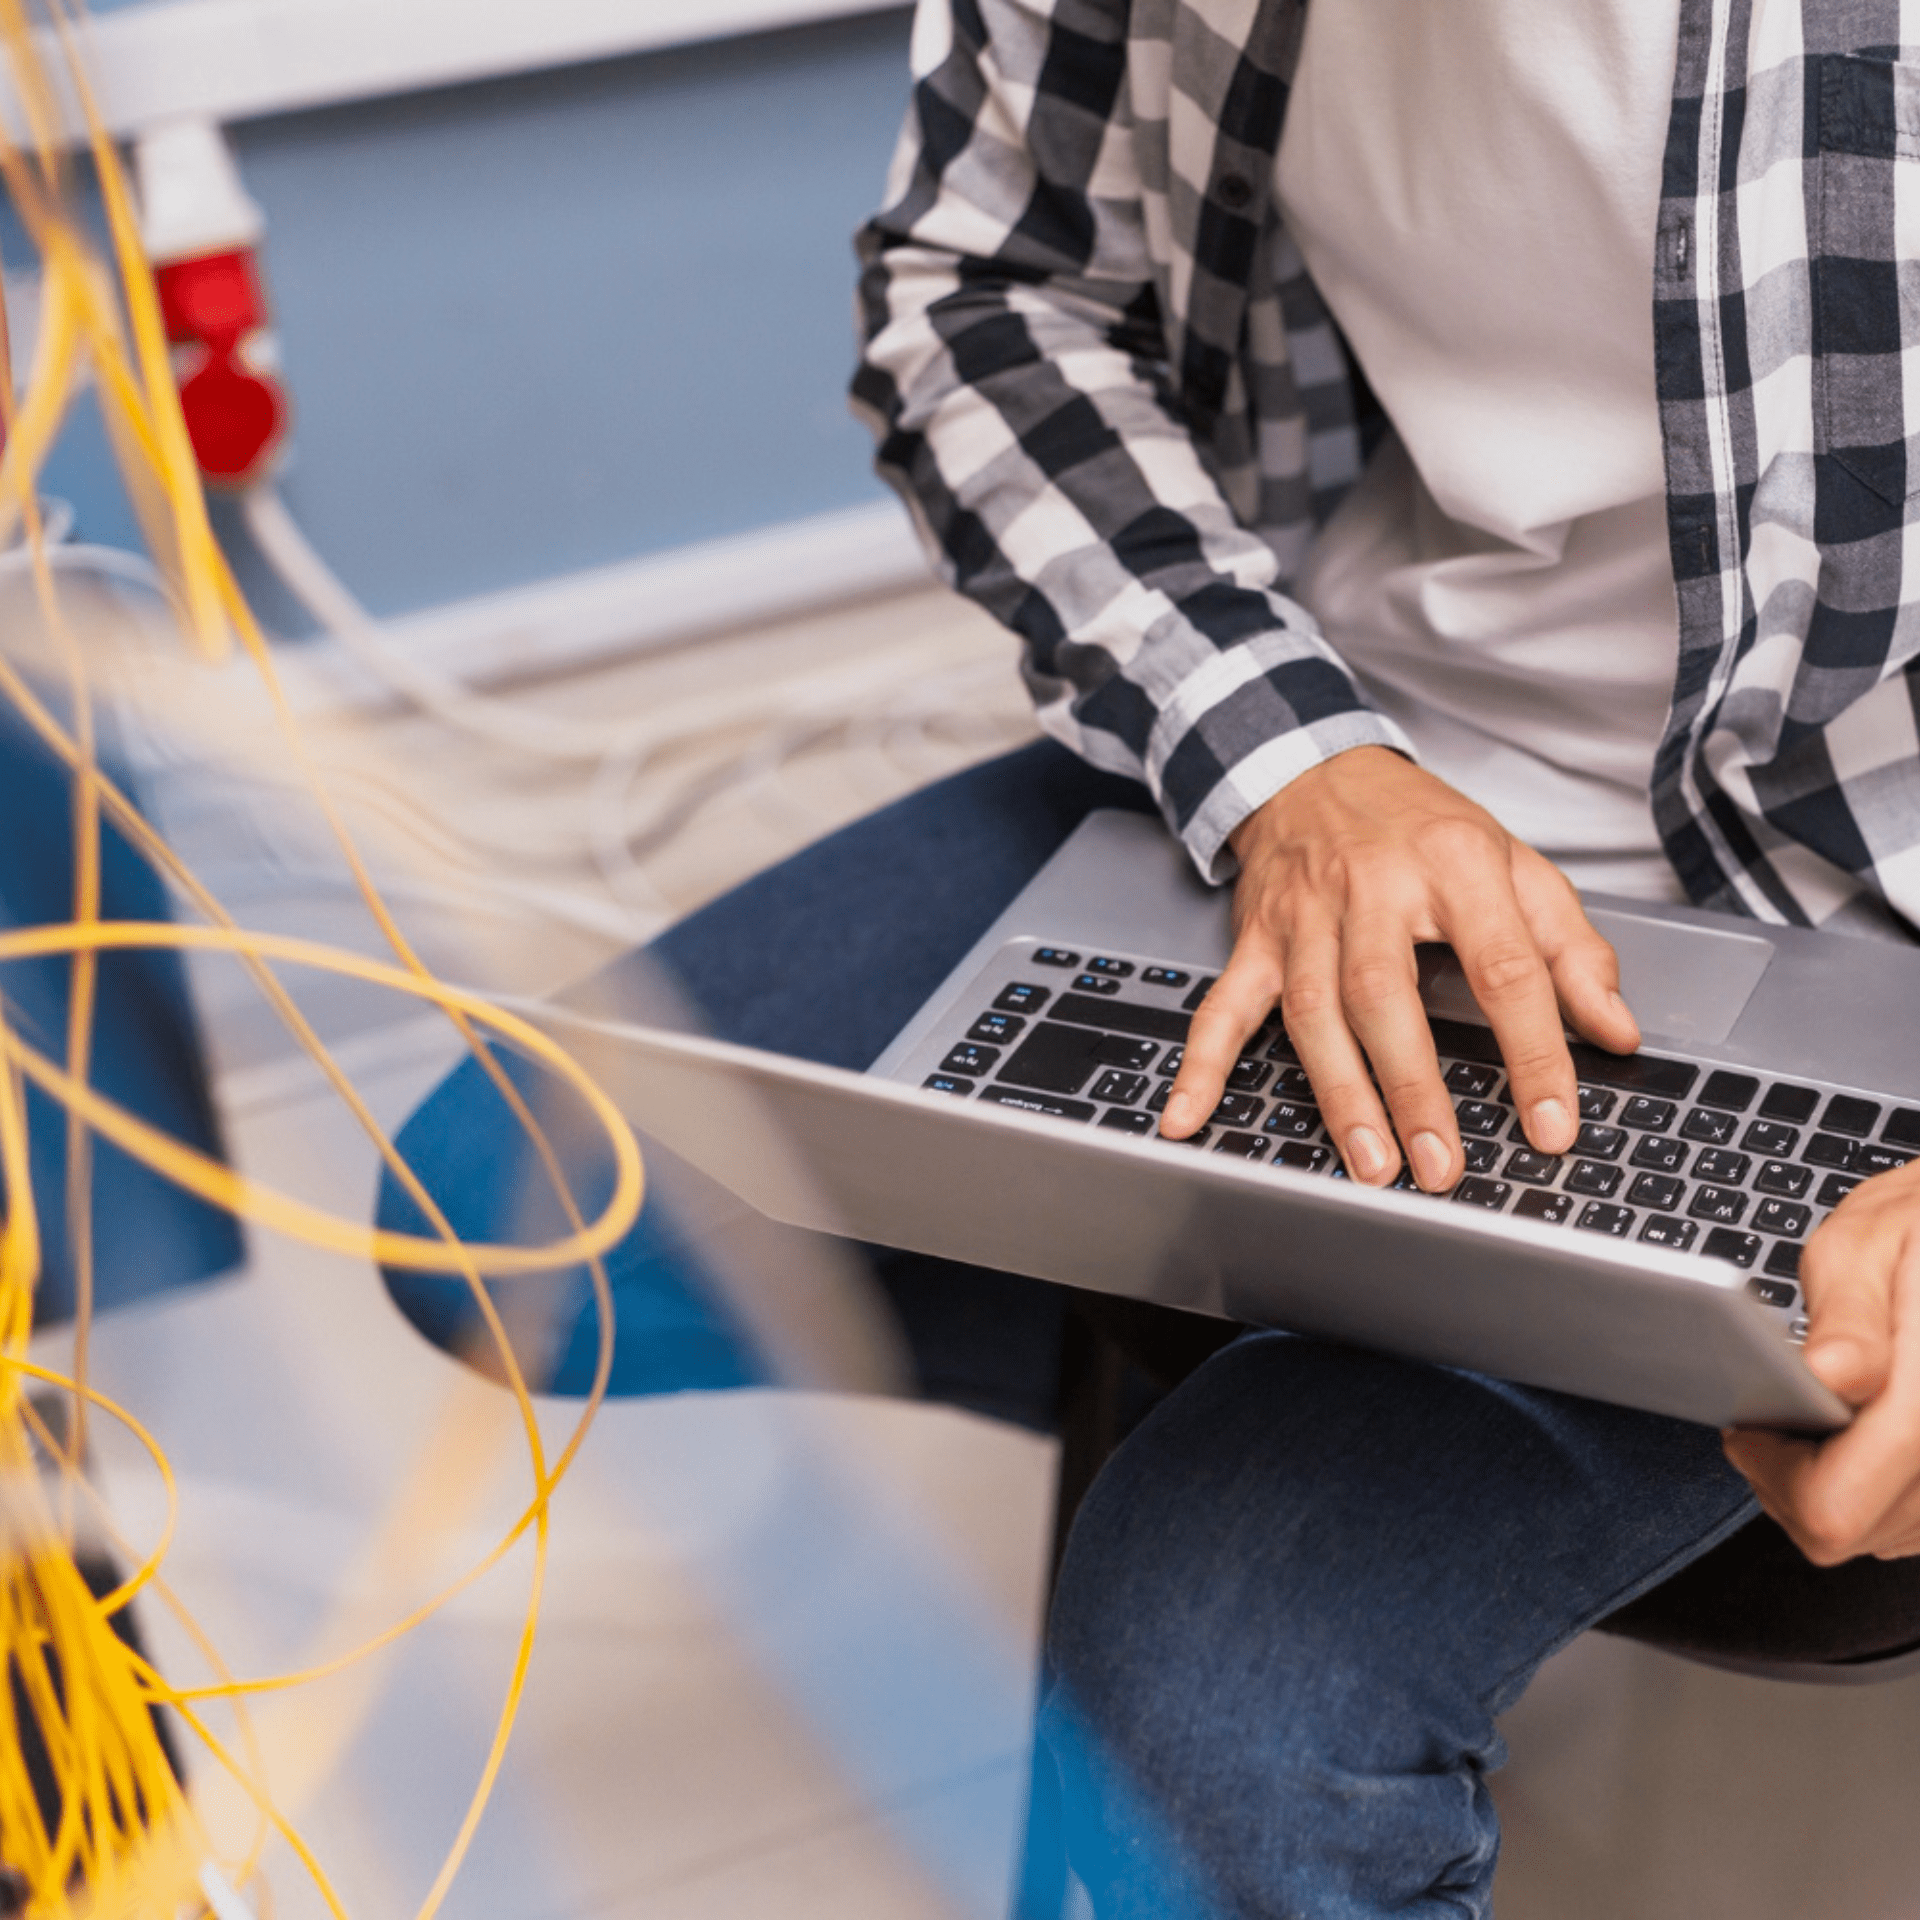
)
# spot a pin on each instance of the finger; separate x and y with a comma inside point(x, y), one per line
point(1380, 993)
point(1848, 1274)
point(1317, 1026)
point(1235, 1006)
point(1859, 1490)
point(1583, 966)
point(1509, 979)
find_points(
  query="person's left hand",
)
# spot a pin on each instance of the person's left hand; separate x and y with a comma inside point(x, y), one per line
point(1858, 1491)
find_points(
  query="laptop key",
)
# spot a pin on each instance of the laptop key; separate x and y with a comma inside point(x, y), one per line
point(1476, 1192)
point(968, 1058)
point(1784, 1178)
point(1773, 1293)
point(1660, 1190)
point(1237, 1110)
point(948, 1083)
point(1281, 1048)
point(1649, 1116)
point(1870, 1160)
point(1123, 1051)
point(1662, 1155)
point(1055, 957)
point(1157, 1100)
point(1128, 1120)
point(1051, 1059)
point(1021, 997)
point(1597, 1217)
point(1150, 1023)
point(1121, 1089)
point(1553, 1208)
point(1771, 1137)
point(1596, 1103)
point(999, 1028)
point(1785, 1217)
point(1201, 988)
point(1095, 983)
point(1293, 1084)
point(1903, 1129)
point(1170, 1060)
point(1462, 1040)
point(1599, 1143)
point(1297, 1153)
point(1119, 969)
point(1480, 1116)
point(1783, 1261)
point(1537, 1169)
point(1733, 1091)
point(1633, 1072)
point(1593, 1177)
point(1482, 1156)
point(1830, 1150)
point(1718, 1203)
point(1663, 1230)
point(1029, 1102)
point(1835, 1188)
point(1845, 1114)
point(1248, 1076)
point(1722, 1166)
point(1297, 1122)
point(1710, 1126)
point(1785, 1102)
point(1199, 1139)
point(1164, 977)
point(1243, 1146)
point(1470, 1079)
point(1722, 1243)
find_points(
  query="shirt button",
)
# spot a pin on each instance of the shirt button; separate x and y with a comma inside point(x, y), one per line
point(1233, 190)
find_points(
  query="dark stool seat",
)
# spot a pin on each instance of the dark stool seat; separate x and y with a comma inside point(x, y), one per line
point(1755, 1603)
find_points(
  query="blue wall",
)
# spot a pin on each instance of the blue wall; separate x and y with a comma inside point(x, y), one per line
point(567, 319)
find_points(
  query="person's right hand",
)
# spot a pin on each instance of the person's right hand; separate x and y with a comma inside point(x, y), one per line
point(1342, 873)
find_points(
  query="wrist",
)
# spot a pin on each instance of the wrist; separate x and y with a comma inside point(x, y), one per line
point(1367, 760)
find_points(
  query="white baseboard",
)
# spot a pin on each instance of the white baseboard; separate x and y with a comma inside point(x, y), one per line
point(557, 626)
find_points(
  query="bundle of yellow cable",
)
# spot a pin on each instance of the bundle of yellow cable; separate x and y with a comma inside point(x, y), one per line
point(122, 1838)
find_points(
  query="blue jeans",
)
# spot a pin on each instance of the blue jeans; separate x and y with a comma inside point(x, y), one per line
point(824, 957)
point(1298, 1596)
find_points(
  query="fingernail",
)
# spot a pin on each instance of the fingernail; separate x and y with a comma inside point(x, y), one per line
point(1837, 1360)
point(1182, 1113)
point(1366, 1153)
point(1431, 1160)
point(1552, 1127)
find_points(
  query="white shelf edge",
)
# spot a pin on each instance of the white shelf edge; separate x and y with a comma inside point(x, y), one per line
point(606, 613)
point(238, 59)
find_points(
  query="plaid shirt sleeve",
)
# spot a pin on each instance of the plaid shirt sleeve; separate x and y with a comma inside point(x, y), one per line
point(1016, 376)
point(1787, 326)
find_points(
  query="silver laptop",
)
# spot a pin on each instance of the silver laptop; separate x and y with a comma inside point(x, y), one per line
point(1011, 1124)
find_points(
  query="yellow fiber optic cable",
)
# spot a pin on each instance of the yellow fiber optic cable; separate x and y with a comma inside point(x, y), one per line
point(124, 1839)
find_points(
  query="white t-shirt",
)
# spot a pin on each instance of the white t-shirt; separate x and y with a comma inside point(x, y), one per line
point(1475, 188)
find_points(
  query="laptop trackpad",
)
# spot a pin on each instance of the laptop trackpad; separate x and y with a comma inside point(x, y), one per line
point(1683, 982)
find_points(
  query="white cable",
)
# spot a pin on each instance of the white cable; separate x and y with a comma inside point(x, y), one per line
point(861, 702)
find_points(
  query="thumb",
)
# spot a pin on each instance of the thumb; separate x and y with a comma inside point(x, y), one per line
point(1850, 1333)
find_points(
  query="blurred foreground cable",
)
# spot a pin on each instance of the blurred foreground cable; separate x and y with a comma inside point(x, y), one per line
point(107, 1831)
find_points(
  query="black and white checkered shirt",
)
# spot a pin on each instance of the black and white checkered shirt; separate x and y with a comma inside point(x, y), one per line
point(1117, 407)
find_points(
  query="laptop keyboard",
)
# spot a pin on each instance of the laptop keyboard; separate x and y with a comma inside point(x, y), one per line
point(1677, 1153)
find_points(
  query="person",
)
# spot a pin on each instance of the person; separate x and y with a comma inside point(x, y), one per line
point(1621, 597)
